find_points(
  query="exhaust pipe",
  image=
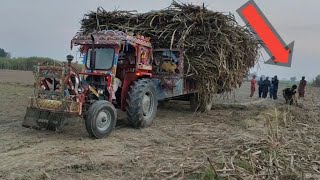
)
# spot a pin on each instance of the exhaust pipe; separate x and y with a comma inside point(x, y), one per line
point(92, 58)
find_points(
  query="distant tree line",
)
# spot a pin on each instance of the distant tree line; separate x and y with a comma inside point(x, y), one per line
point(27, 64)
point(4, 54)
point(293, 79)
point(24, 64)
point(316, 81)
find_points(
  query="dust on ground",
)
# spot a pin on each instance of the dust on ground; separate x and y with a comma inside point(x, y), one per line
point(233, 140)
point(16, 77)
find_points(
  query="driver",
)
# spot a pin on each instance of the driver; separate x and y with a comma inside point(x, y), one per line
point(116, 84)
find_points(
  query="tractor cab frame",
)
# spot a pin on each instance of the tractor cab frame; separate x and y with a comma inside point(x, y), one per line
point(120, 71)
point(126, 58)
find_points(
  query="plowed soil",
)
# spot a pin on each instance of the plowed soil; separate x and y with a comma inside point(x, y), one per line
point(180, 144)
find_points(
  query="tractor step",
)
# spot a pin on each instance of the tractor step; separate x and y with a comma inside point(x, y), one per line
point(43, 119)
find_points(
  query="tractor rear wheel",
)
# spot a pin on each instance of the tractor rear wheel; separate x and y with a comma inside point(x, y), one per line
point(101, 119)
point(142, 103)
point(197, 105)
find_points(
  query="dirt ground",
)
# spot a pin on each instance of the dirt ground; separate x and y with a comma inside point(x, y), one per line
point(16, 77)
point(235, 140)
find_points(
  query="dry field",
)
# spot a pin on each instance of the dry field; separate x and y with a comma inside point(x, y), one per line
point(241, 138)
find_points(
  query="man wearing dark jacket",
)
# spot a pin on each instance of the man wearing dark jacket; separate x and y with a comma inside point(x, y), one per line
point(271, 89)
point(266, 85)
point(260, 84)
point(275, 87)
point(288, 94)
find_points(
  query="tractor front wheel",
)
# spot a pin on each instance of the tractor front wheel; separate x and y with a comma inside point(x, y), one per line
point(101, 119)
point(142, 103)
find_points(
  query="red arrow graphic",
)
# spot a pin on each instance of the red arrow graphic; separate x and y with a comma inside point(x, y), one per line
point(281, 53)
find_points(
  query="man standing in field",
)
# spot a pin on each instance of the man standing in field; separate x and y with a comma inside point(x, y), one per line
point(302, 86)
point(260, 84)
point(253, 85)
point(275, 87)
point(271, 89)
point(266, 85)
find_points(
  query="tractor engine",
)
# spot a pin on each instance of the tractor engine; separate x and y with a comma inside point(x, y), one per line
point(100, 84)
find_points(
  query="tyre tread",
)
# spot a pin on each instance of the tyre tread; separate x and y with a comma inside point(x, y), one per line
point(134, 101)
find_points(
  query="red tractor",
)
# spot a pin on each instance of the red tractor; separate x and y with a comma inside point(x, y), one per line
point(120, 71)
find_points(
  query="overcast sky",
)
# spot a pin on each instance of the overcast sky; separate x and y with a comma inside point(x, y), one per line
point(45, 27)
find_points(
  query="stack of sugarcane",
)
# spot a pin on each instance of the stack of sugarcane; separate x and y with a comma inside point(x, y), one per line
point(218, 51)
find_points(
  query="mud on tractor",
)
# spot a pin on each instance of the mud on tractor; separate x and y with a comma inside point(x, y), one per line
point(120, 71)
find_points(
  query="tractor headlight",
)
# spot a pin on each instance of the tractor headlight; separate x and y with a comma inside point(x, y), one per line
point(80, 90)
point(100, 91)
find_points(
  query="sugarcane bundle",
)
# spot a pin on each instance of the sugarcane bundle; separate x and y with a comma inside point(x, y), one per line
point(218, 51)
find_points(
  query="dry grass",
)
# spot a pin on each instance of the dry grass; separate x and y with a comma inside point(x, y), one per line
point(289, 149)
point(278, 144)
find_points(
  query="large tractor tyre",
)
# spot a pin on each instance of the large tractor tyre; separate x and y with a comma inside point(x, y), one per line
point(142, 103)
point(101, 119)
point(199, 106)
